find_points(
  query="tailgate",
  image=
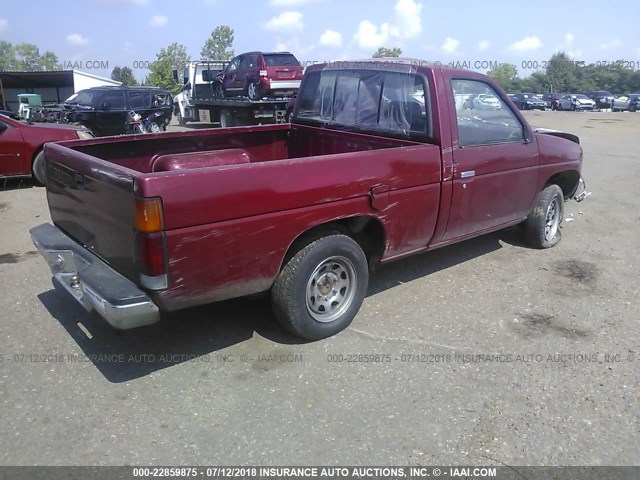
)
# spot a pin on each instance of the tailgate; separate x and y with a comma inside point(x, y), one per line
point(91, 200)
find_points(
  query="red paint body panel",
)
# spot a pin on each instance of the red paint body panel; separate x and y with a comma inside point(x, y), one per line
point(235, 200)
point(20, 143)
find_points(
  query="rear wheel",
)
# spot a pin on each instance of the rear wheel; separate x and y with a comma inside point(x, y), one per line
point(542, 226)
point(321, 288)
point(38, 169)
point(154, 128)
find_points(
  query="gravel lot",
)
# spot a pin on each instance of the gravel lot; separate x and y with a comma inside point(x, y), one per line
point(405, 385)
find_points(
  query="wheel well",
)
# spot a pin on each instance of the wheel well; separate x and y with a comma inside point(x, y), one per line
point(567, 181)
point(367, 231)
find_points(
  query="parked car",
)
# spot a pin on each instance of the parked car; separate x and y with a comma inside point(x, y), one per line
point(621, 103)
point(529, 101)
point(552, 100)
point(104, 110)
point(576, 101)
point(485, 102)
point(257, 74)
point(603, 99)
point(10, 114)
point(629, 102)
point(364, 173)
point(21, 145)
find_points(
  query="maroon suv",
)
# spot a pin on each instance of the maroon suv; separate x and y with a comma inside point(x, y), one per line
point(258, 74)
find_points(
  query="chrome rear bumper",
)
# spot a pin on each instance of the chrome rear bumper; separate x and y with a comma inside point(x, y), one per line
point(93, 283)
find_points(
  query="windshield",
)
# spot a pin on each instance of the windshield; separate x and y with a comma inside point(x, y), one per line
point(582, 97)
point(83, 97)
point(281, 60)
point(368, 100)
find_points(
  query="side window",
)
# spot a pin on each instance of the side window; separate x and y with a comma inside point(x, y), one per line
point(233, 66)
point(139, 100)
point(483, 118)
point(113, 101)
point(245, 62)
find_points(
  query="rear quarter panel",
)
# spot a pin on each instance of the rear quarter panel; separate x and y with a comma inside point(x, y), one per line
point(229, 228)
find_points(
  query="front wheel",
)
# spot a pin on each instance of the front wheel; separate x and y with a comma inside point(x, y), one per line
point(38, 169)
point(542, 226)
point(321, 288)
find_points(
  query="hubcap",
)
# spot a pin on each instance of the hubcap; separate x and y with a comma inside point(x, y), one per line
point(552, 219)
point(331, 289)
point(251, 91)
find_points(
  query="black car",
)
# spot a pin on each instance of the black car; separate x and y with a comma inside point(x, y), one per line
point(10, 114)
point(603, 99)
point(104, 110)
point(552, 100)
point(528, 101)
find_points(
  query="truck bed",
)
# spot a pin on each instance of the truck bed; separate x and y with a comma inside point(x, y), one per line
point(230, 186)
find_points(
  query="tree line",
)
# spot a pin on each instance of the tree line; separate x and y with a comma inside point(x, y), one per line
point(565, 75)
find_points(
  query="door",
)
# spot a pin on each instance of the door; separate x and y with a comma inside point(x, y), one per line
point(495, 165)
point(111, 116)
point(230, 82)
point(12, 160)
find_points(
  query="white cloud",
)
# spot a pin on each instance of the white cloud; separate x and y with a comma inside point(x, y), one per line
point(450, 45)
point(527, 44)
point(483, 45)
point(568, 38)
point(288, 3)
point(4, 23)
point(76, 39)
point(331, 38)
point(158, 21)
point(615, 43)
point(407, 23)
point(369, 36)
point(286, 21)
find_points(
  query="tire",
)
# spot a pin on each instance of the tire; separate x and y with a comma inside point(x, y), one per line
point(218, 90)
point(573, 107)
point(39, 170)
point(254, 91)
point(632, 108)
point(542, 226)
point(154, 128)
point(334, 266)
point(181, 119)
point(226, 119)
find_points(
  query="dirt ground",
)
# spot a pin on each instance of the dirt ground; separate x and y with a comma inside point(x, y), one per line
point(486, 352)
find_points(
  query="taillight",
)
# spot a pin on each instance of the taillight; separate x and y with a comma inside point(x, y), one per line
point(263, 73)
point(149, 215)
point(150, 243)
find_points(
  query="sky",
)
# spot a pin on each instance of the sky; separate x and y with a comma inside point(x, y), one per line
point(97, 35)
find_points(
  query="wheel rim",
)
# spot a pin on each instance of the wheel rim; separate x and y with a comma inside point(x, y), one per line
point(154, 127)
point(331, 289)
point(251, 91)
point(552, 219)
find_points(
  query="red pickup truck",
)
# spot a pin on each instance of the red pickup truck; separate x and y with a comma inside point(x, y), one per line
point(380, 161)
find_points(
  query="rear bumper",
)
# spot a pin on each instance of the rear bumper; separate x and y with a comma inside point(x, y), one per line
point(581, 191)
point(283, 85)
point(93, 283)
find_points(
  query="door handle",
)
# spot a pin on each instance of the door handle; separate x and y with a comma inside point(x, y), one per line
point(468, 174)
